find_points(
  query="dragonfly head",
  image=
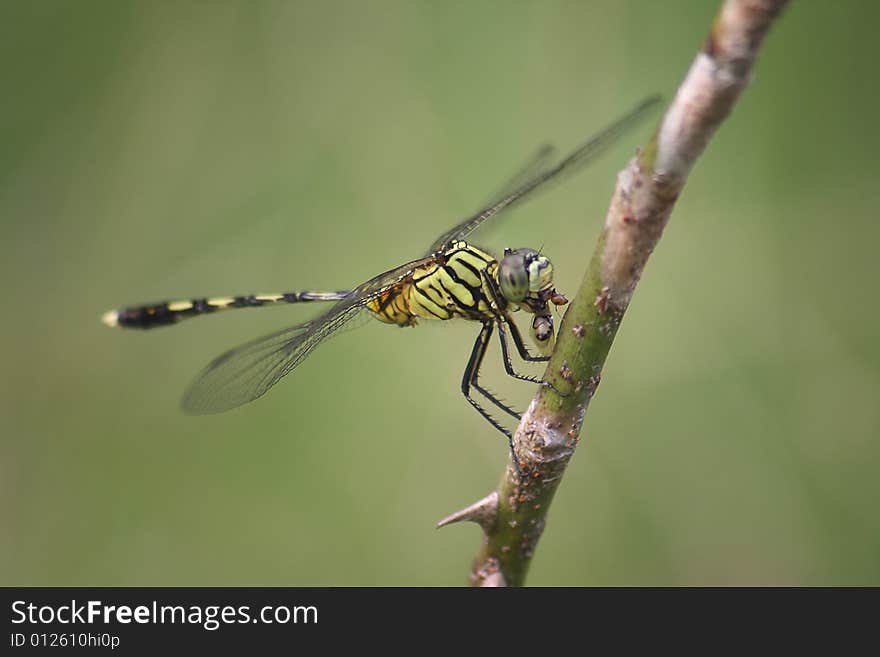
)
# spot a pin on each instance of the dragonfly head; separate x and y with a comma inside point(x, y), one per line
point(526, 278)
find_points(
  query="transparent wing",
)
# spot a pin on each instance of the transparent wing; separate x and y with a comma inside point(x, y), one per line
point(538, 161)
point(582, 156)
point(249, 371)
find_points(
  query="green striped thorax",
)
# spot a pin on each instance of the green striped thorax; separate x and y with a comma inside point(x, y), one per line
point(525, 278)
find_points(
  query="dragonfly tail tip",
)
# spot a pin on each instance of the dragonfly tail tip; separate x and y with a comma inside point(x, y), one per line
point(110, 318)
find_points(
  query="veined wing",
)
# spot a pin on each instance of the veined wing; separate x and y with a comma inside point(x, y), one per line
point(247, 372)
point(582, 156)
point(538, 161)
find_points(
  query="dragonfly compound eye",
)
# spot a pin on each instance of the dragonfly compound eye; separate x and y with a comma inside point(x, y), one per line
point(513, 276)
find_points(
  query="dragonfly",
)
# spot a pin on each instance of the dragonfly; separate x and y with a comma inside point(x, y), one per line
point(453, 280)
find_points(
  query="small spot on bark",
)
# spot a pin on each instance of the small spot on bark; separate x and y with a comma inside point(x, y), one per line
point(601, 301)
point(592, 384)
point(565, 371)
point(579, 330)
point(489, 573)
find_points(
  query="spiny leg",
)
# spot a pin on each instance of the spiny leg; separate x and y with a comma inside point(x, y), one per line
point(488, 394)
point(473, 379)
point(508, 366)
point(469, 379)
point(521, 346)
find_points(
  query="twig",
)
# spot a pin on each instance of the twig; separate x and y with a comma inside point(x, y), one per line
point(646, 191)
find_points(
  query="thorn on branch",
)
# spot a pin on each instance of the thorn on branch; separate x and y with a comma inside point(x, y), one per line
point(484, 513)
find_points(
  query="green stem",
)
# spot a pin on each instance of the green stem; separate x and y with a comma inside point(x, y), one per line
point(585, 338)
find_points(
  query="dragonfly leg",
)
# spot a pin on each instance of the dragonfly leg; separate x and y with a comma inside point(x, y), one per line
point(492, 398)
point(508, 365)
point(474, 378)
point(521, 346)
point(471, 374)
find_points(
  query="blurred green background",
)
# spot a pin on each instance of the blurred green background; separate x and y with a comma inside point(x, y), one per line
point(156, 150)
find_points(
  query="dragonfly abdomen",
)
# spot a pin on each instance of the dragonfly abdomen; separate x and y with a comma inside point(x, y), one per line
point(170, 312)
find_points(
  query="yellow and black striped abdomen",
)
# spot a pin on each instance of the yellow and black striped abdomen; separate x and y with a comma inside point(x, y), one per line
point(171, 312)
point(451, 286)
